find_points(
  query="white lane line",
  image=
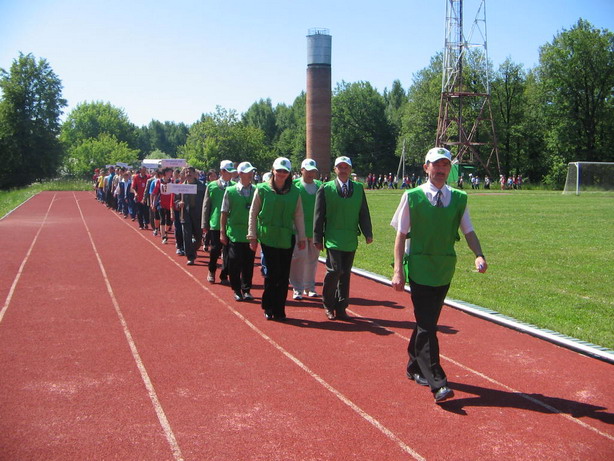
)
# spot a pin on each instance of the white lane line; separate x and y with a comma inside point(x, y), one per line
point(370, 419)
point(528, 397)
point(9, 297)
point(168, 432)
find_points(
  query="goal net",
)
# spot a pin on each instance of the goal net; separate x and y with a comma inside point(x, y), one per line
point(589, 176)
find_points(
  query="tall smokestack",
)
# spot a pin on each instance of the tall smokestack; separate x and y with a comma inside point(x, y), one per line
point(319, 43)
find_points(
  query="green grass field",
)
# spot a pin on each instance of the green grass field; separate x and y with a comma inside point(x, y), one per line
point(9, 199)
point(550, 256)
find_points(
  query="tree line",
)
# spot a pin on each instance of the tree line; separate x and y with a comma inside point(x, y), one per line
point(560, 111)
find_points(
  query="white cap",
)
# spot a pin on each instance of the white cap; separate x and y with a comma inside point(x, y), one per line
point(343, 159)
point(282, 163)
point(228, 166)
point(309, 164)
point(437, 153)
point(245, 167)
point(266, 176)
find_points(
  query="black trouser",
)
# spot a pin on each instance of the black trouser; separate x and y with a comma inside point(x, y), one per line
point(240, 266)
point(276, 281)
point(215, 251)
point(423, 346)
point(142, 214)
point(191, 229)
point(178, 229)
point(336, 287)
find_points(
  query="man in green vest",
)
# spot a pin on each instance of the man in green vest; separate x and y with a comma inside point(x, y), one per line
point(210, 219)
point(341, 215)
point(233, 232)
point(427, 221)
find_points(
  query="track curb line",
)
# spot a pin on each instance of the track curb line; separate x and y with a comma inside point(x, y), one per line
point(568, 342)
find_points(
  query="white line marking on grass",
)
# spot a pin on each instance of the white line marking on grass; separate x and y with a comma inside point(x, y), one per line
point(9, 297)
point(504, 386)
point(370, 419)
point(168, 432)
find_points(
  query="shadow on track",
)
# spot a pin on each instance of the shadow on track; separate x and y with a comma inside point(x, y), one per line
point(485, 397)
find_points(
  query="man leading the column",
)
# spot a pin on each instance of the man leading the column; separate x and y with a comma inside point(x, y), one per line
point(430, 216)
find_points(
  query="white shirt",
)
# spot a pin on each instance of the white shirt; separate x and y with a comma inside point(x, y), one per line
point(341, 183)
point(245, 191)
point(401, 219)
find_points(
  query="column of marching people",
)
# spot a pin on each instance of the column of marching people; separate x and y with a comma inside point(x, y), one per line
point(231, 217)
point(292, 221)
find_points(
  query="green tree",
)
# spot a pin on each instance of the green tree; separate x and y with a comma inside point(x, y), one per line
point(95, 152)
point(261, 115)
point(291, 138)
point(221, 136)
point(30, 109)
point(509, 105)
point(166, 137)
point(395, 99)
point(419, 119)
point(576, 72)
point(360, 128)
point(91, 119)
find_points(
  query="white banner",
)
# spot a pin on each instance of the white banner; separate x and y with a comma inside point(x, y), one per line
point(173, 163)
point(150, 163)
point(122, 164)
point(189, 189)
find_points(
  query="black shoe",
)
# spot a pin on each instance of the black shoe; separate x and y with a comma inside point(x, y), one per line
point(247, 296)
point(281, 316)
point(330, 314)
point(342, 315)
point(268, 315)
point(443, 393)
point(418, 378)
point(238, 296)
point(224, 281)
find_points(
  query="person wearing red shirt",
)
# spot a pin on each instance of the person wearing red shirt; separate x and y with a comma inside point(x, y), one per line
point(139, 183)
point(162, 200)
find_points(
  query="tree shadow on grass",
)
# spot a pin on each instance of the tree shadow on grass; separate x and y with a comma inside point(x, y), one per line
point(485, 397)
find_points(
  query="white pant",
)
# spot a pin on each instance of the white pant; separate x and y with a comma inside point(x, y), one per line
point(304, 266)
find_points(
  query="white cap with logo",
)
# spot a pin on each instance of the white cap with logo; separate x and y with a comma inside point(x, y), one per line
point(228, 166)
point(437, 153)
point(309, 164)
point(282, 163)
point(343, 159)
point(245, 167)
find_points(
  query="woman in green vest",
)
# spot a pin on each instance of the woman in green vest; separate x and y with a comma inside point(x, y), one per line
point(275, 214)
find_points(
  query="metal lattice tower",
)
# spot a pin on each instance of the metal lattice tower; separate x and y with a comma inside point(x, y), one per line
point(465, 125)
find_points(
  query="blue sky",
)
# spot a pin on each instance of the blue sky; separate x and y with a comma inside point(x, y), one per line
point(176, 60)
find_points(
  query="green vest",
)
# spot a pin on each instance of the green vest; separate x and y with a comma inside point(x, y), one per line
point(276, 218)
point(238, 214)
point(342, 231)
point(216, 193)
point(434, 231)
point(309, 203)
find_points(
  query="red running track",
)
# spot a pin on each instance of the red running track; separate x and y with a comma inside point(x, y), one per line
point(112, 348)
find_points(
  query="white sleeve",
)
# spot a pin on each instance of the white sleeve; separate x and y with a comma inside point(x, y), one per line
point(465, 224)
point(225, 202)
point(400, 220)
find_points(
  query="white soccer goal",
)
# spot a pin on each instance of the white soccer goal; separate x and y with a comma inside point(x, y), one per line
point(589, 176)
